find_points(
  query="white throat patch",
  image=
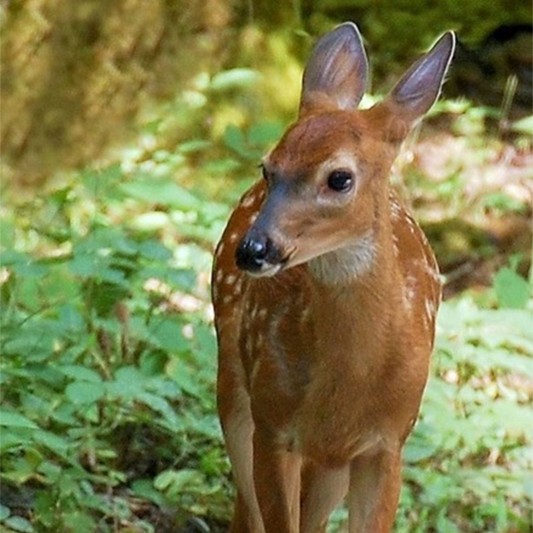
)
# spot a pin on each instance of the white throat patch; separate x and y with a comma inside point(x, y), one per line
point(345, 264)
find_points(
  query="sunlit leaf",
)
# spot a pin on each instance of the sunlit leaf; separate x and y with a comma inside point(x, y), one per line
point(234, 78)
point(161, 192)
point(512, 290)
point(12, 419)
point(84, 392)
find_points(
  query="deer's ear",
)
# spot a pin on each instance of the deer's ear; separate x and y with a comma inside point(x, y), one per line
point(337, 69)
point(420, 86)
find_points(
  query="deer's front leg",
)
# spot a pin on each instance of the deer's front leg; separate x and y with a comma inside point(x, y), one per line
point(322, 489)
point(374, 490)
point(277, 484)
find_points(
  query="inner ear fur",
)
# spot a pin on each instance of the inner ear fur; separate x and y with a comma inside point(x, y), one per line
point(337, 71)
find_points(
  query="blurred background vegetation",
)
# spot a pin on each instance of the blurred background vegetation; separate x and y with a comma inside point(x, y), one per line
point(128, 129)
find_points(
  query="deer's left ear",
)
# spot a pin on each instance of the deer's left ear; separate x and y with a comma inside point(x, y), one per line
point(337, 69)
point(420, 86)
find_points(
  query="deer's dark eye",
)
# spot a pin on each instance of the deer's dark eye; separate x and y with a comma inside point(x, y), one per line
point(340, 180)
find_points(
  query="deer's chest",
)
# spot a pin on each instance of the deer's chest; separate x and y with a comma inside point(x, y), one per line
point(309, 382)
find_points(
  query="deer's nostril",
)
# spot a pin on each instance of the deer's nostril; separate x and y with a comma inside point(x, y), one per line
point(252, 252)
point(258, 248)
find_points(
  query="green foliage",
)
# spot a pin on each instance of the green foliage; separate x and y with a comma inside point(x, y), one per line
point(469, 458)
point(108, 356)
point(251, 145)
point(511, 289)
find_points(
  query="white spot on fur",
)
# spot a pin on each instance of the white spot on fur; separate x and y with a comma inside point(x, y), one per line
point(230, 279)
point(396, 208)
point(238, 287)
point(219, 275)
point(248, 200)
point(395, 244)
point(430, 309)
point(409, 291)
point(411, 224)
point(345, 264)
point(253, 218)
point(233, 237)
point(220, 249)
point(432, 270)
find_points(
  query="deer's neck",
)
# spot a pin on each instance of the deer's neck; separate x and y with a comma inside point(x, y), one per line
point(346, 265)
point(354, 299)
point(367, 260)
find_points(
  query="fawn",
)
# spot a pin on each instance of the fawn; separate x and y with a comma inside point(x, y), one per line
point(325, 293)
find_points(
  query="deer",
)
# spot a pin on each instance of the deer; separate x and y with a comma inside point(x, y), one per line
point(325, 293)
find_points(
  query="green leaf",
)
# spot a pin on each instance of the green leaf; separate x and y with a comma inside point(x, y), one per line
point(71, 319)
point(10, 258)
point(51, 471)
point(193, 146)
point(162, 192)
point(11, 419)
point(416, 451)
point(84, 392)
point(161, 406)
point(185, 376)
point(128, 384)
point(80, 373)
point(4, 512)
point(154, 251)
point(78, 521)
point(144, 488)
point(167, 335)
point(265, 133)
point(234, 139)
point(7, 234)
point(174, 482)
point(512, 290)
point(53, 442)
point(524, 125)
point(17, 523)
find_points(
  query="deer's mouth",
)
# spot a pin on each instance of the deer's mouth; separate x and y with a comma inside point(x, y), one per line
point(268, 269)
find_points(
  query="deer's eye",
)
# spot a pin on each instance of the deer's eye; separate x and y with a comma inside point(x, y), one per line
point(340, 180)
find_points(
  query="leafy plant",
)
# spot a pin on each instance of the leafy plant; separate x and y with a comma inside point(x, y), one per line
point(512, 290)
point(107, 361)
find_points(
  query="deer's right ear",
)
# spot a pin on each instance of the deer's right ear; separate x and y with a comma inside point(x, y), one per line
point(337, 69)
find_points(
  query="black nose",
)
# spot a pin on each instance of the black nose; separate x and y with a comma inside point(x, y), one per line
point(253, 252)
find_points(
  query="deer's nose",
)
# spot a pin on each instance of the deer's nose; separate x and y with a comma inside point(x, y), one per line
point(254, 252)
